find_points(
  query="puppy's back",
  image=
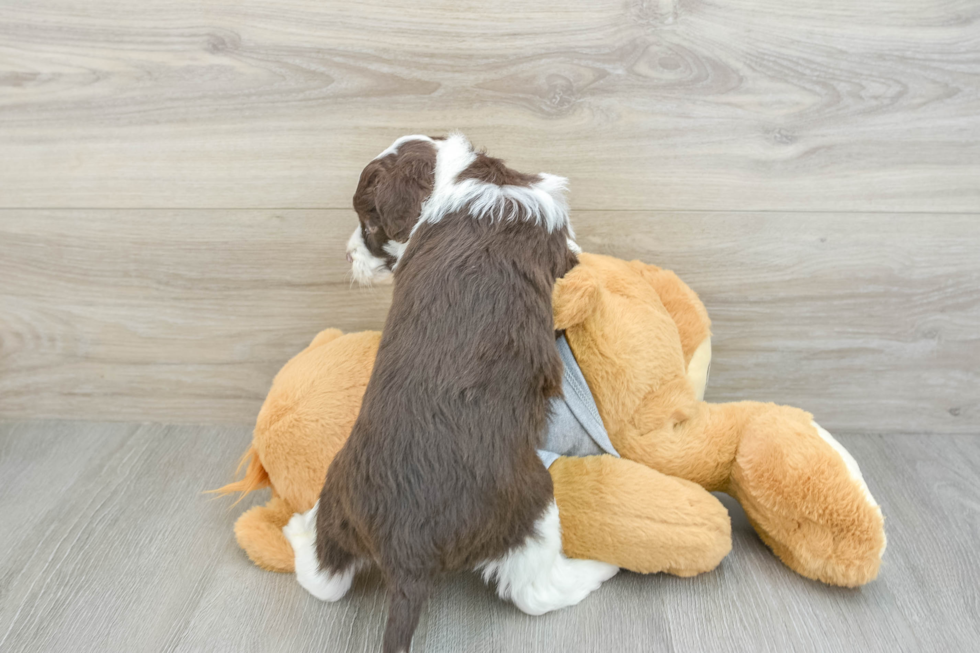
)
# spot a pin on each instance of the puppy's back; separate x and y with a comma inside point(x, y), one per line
point(446, 440)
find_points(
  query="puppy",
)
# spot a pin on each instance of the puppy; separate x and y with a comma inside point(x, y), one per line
point(440, 472)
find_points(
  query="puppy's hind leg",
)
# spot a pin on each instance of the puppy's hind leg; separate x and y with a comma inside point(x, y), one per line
point(538, 577)
point(327, 582)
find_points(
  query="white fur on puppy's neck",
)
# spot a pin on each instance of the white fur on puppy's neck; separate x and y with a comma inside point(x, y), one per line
point(543, 201)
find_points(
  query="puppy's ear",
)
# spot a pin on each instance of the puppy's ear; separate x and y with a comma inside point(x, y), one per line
point(400, 192)
point(575, 297)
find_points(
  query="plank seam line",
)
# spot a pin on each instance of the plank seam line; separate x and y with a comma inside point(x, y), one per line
point(582, 210)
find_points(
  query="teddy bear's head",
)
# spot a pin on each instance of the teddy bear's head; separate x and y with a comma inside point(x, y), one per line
point(634, 330)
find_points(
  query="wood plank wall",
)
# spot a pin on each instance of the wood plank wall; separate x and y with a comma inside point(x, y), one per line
point(175, 180)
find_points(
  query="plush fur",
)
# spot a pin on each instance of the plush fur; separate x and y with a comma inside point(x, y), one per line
point(635, 330)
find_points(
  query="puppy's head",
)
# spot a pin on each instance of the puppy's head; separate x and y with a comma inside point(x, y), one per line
point(388, 202)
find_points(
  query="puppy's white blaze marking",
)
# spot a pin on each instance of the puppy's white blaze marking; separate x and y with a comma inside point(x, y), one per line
point(853, 470)
point(301, 533)
point(401, 140)
point(395, 249)
point(544, 200)
point(538, 577)
point(697, 369)
point(366, 268)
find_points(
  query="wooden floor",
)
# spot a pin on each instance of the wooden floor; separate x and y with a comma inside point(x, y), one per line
point(109, 546)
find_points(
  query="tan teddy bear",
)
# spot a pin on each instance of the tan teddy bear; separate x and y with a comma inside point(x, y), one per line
point(641, 339)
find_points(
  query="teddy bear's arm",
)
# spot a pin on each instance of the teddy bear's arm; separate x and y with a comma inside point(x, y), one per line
point(683, 304)
point(625, 514)
point(690, 316)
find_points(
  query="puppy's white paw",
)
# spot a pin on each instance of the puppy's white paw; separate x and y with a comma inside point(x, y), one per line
point(582, 577)
point(301, 533)
point(538, 577)
point(324, 586)
point(570, 582)
point(598, 572)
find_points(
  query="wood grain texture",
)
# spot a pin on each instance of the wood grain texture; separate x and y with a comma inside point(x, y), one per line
point(870, 321)
point(169, 316)
point(109, 547)
point(644, 104)
point(772, 152)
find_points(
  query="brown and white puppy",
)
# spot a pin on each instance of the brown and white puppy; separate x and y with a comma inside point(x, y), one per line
point(441, 471)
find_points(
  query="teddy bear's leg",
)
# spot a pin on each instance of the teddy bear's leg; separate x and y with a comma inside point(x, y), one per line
point(631, 516)
point(804, 494)
point(259, 533)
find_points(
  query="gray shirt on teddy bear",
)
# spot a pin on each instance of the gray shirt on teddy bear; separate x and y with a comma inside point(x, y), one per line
point(574, 425)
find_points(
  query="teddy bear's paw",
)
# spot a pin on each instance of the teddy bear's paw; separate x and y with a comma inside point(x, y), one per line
point(850, 464)
point(820, 517)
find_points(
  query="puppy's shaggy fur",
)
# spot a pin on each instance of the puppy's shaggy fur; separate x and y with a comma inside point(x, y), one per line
point(441, 471)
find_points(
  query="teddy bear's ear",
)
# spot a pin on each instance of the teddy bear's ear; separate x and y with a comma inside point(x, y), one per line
point(575, 297)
